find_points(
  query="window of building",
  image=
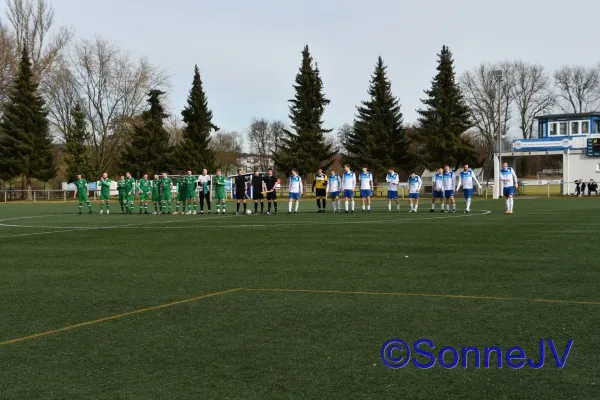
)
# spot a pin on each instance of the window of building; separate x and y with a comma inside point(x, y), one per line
point(553, 129)
point(574, 128)
point(562, 128)
point(585, 127)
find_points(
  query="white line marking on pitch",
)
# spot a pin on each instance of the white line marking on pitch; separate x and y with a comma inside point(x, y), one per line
point(143, 225)
point(71, 229)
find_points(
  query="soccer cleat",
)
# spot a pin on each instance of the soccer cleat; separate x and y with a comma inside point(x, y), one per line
point(268, 212)
point(80, 213)
point(352, 212)
point(175, 213)
point(276, 212)
point(506, 212)
point(442, 210)
point(454, 210)
point(194, 212)
point(154, 213)
point(295, 212)
point(467, 212)
point(190, 213)
point(146, 212)
point(90, 212)
point(347, 211)
point(208, 212)
point(237, 213)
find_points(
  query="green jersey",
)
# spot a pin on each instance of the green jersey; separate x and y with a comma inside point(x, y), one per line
point(156, 187)
point(144, 185)
point(181, 185)
point(190, 182)
point(121, 187)
point(165, 184)
point(220, 182)
point(105, 187)
point(81, 186)
point(129, 185)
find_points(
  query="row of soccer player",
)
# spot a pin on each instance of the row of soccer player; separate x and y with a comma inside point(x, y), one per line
point(160, 190)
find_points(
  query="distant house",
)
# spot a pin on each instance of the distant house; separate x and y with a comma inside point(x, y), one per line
point(249, 161)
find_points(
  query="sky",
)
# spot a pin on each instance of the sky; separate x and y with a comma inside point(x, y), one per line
point(249, 52)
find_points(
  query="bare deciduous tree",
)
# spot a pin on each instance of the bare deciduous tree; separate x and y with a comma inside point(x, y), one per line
point(111, 86)
point(532, 94)
point(276, 133)
point(343, 133)
point(227, 146)
point(490, 101)
point(578, 89)
point(62, 97)
point(260, 141)
point(33, 24)
point(8, 60)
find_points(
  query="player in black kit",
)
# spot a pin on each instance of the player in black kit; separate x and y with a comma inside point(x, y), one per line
point(240, 191)
point(270, 182)
point(257, 189)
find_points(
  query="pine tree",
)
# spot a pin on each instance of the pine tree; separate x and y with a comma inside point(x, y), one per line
point(194, 151)
point(377, 138)
point(25, 143)
point(79, 158)
point(444, 120)
point(306, 149)
point(149, 150)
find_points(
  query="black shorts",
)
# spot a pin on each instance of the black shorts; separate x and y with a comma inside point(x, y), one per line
point(257, 195)
point(321, 193)
point(272, 196)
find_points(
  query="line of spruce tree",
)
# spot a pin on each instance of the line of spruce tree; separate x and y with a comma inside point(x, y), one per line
point(378, 136)
point(306, 148)
point(25, 142)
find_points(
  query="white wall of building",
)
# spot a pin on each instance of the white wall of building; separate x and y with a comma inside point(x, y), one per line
point(579, 166)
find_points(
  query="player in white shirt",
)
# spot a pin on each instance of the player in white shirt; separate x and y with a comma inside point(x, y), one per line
point(366, 188)
point(348, 185)
point(466, 179)
point(508, 177)
point(393, 181)
point(449, 181)
point(296, 190)
point(437, 183)
point(414, 186)
point(334, 182)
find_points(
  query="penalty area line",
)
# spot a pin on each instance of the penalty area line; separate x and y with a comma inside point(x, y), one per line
point(116, 316)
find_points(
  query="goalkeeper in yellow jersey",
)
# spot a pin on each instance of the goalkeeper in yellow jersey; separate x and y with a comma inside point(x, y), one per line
point(319, 187)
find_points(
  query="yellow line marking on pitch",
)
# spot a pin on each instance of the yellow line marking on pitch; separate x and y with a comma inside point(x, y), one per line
point(117, 316)
point(446, 296)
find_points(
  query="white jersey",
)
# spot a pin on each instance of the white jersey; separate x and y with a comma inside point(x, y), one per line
point(449, 180)
point(202, 179)
point(333, 183)
point(393, 180)
point(466, 179)
point(414, 184)
point(438, 182)
point(366, 179)
point(349, 180)
point(295, 184)
point(508, 177)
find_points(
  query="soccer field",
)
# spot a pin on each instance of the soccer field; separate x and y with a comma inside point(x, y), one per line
point(296, 306)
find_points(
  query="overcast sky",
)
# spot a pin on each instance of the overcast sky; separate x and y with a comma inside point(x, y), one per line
point(249, 51)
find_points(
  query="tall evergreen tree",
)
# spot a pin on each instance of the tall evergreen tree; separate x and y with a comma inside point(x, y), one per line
point(25, 143)
point(306, 148)
point(444, 120)
point(149, 150)
point(194, 151)
point(79, 157)
point(378, 135)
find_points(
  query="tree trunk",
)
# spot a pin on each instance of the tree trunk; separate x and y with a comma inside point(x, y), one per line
point(29, 195)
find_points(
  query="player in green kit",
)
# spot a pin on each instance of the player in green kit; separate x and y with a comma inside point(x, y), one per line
point(190, 187)
point(156, 194)
point(129, 192)
point(105, 193)
point(81, 194)
point(145, 188)
point(166, 186)
point(220, 183)
point(121, 191)
point(181, 194)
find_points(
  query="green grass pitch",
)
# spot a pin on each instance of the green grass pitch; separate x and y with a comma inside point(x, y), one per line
point(166, 307)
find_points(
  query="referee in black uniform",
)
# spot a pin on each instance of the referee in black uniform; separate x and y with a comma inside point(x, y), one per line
point(270, 182)
point(257, 189)
point(240, 191)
